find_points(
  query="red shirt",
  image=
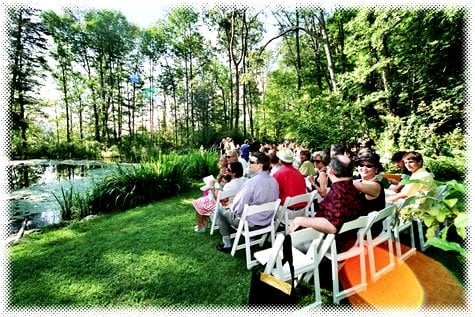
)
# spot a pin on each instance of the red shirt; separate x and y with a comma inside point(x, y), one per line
point(291, 183)
point(340, 205)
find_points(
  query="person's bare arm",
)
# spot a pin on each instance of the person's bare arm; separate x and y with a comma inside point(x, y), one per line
point(318, 223)
point(370, 188)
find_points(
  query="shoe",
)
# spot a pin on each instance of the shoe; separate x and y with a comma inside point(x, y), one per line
point(200, 229)
point(220, 247)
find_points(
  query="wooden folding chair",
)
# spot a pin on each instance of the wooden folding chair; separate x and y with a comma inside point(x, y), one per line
point(362, 225)
point(305, 263)
point(248, 232)
point(306, 198)
point(222, 194)
point(384, 216)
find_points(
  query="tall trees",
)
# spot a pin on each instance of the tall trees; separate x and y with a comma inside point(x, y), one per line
point(400, 70)
point(405, 64)
point(59, 27)
point(27, 62)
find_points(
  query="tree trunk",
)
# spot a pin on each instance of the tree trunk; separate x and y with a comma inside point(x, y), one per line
point(297, 47)
point(326, 45)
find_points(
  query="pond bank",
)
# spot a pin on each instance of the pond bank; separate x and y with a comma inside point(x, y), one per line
point(33, 182)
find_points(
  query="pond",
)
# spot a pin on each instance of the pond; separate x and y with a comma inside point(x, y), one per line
point(33, 182)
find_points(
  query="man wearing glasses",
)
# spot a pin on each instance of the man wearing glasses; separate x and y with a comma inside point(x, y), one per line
point(260, 188)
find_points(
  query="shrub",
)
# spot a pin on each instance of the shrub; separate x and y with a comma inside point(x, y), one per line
point(446, 168)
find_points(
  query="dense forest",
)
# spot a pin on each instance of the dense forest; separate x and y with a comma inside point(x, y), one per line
point(323, 77)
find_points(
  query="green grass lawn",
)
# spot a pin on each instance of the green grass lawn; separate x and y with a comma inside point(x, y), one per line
point(146, 257)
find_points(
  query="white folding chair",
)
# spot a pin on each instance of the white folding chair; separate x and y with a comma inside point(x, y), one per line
point(306, 198)
point(249, 232)
point(384, 216)
point(222, 194)
point(362, 225)
point(399, 225)
point(305, 264)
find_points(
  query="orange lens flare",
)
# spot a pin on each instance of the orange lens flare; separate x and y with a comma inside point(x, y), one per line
point(416, 282)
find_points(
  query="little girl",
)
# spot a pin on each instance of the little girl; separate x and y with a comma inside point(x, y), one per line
point(206, 204)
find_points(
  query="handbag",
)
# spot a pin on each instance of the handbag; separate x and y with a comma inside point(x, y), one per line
point(267, 289)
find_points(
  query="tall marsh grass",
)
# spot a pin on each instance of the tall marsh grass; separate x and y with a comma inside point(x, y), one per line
point(134, 185)
point(72, 204)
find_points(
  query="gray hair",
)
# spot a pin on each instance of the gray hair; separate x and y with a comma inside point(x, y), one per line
point(340, 167)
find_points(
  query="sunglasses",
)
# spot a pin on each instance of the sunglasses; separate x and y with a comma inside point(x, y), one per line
point(366, 165)
point(252, 162)
point(316, 161)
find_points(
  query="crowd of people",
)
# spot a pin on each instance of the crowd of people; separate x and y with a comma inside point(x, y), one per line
point(349, 184)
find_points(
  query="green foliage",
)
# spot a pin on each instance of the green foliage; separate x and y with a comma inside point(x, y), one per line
point(320, 130)
point(66, 203)
point(73, 206)
point(43, 145)
point(447, 168)
point(202, 163)
point(440, 209)
point(142, 147)
point(137, 184)
point(453, 144)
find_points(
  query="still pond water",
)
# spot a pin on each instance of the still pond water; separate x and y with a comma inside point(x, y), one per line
point(32, 183)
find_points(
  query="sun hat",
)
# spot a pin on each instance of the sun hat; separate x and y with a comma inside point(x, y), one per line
point(369, 156)
point(286, 156)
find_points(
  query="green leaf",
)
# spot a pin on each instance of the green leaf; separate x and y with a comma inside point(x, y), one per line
point(450, 202)
point(446, 245)
point(460, 187)
point(428, 220)
point(430, 232)
point(461, 232)
point(434, 211)
point(442, 215)
point(461, 221)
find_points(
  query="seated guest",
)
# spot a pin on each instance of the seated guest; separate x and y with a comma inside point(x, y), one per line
point(232, 156)
point(237, 180)
point(306, 167)
point(291, 182)
point(370, 187)
point(206, 204)
point(274, 163)
point(379, 177)
point(320, 181)
point(260, 188)
point(223, 165)
point(342, 204)
point(398, 160)
point(337, 149)
point(414, 162)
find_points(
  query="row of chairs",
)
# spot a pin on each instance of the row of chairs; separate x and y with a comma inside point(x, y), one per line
point(260, 235)
point(322, 245)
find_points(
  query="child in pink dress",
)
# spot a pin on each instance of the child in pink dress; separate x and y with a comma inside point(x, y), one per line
point(206, 204)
